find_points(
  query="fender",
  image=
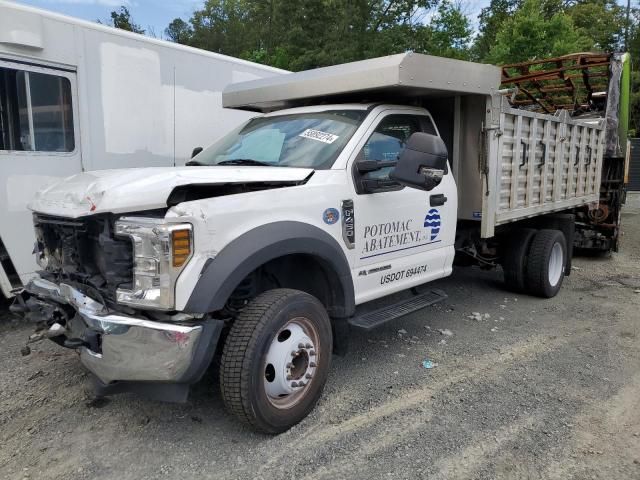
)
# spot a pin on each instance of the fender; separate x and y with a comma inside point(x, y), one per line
point(221, 275)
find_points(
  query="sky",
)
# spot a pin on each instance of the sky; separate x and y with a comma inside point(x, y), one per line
point(154, 16)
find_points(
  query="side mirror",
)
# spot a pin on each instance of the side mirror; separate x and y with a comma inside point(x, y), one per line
point(422, 163)
point(196, 151)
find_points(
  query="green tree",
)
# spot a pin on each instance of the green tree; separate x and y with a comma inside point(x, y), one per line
point(301, 34)
point(178, 31)
point(304, 30)
point(122, 19)
point(603, 21)
point(449, 33)
point(490, 22)
point(224, 26)
point(528, 35)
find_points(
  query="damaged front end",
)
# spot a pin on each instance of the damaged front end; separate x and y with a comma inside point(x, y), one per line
point(124, 353)
point(85, 253)
point(98, 276)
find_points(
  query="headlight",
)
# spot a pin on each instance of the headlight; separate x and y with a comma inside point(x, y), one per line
point(160, 252)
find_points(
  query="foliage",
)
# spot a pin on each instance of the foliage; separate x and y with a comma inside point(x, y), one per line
point(449, 33)
point(302, 34)
point(178, 31)
point(602, 21)
point(490, 21)
point(122, 19)
point(529, 34)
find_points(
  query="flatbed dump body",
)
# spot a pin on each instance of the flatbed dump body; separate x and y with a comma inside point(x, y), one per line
point(539, 163)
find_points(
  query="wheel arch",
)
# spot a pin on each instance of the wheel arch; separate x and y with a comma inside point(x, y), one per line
point(266, 245)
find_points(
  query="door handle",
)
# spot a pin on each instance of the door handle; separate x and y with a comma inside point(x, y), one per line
point(437, 200)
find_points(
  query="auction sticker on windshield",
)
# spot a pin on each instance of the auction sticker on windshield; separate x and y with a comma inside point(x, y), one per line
point(319, 136)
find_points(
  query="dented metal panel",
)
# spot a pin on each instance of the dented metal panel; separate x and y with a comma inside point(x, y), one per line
point(542, 163)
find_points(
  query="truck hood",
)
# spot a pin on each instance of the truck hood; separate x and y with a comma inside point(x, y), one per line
point(138, 189)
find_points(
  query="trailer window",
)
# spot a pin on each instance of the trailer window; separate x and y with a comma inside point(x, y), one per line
point(35, 112)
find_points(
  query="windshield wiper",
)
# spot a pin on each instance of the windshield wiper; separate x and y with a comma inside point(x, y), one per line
point(196, 163)
point(244, 161)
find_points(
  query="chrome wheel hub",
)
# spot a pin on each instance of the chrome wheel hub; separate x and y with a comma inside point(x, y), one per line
point(291, 363)
point(556, 264)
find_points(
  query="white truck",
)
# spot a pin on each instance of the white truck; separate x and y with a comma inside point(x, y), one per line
point(359, 181)
point(78, 96)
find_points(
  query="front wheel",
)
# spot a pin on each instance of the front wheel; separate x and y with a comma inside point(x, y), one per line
point(276, 359)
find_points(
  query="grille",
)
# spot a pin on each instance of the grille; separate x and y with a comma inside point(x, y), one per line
point(85, 253)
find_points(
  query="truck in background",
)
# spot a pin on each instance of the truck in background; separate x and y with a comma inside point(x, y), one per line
point(358, 181)
point(78, 96)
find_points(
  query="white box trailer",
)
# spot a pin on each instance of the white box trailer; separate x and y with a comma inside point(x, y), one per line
point(77, 96)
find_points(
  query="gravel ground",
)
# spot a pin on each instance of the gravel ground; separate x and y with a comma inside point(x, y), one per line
point(536, 389)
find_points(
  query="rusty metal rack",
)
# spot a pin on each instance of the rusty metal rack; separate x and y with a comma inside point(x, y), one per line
point(577, 83)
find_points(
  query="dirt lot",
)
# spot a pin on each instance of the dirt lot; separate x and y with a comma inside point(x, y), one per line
point(537, 389)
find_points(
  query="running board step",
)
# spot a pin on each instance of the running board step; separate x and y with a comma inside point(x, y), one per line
point(371, 320)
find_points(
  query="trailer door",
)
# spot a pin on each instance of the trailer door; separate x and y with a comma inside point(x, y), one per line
point(39, 144)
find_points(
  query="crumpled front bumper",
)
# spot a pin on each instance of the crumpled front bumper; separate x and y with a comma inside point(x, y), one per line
point(120, 348)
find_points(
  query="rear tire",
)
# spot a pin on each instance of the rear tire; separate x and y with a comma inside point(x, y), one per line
point(546, 262)
point(281, 339)
point(514, 263)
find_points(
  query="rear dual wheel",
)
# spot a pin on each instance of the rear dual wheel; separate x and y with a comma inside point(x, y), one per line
point(546, 262)
point(276, 359)
point(534, 261)
point(514, 263)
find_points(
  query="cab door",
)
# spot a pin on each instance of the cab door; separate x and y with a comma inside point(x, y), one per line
point(39, 144)
point(403, 236)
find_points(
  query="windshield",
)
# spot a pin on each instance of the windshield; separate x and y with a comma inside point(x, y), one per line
point(312, 140)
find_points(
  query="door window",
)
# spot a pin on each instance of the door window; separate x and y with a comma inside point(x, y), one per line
point(35, 112)
point(389, 139)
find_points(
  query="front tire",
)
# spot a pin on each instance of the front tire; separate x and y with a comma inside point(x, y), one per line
point(546, 262)
point(276, 359)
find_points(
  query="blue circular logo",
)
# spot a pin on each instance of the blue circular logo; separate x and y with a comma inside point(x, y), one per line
point(432, 221)
point(330, 216)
